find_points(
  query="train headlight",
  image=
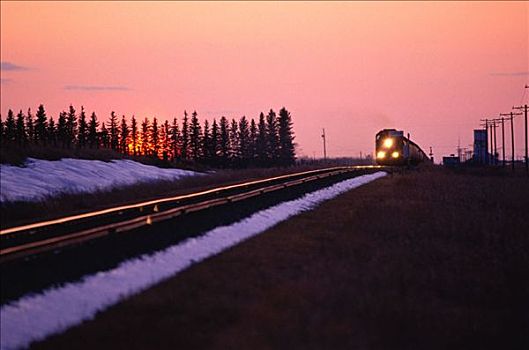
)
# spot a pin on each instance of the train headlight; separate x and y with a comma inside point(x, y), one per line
point(395, 154)
point(388, 142)
point(381, 154)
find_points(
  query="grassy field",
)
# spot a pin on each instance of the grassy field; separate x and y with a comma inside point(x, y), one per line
point(430, 259)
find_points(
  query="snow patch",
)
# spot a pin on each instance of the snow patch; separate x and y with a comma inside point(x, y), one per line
point(41, 178)
point(34, 317)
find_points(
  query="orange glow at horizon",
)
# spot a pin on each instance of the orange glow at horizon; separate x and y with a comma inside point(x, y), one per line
point(432, 69)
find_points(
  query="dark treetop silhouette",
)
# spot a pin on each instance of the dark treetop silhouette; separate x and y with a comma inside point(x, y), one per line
point(223, 144)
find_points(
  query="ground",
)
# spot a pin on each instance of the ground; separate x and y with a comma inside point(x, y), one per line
point(433, 258)
point(20, 212)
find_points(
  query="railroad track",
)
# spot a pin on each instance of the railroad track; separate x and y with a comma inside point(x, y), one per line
point(27, 240)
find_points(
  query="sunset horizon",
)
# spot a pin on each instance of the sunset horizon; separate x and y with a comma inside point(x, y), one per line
point(431, 69)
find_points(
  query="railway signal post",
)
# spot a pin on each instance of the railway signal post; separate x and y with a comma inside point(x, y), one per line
point(324, 144)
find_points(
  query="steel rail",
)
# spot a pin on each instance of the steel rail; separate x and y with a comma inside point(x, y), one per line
point(165, 200)
point(52, 243)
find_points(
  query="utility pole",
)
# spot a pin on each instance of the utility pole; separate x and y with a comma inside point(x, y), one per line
point(491, 146)
point(524, 108)
point(324, 145)
point(503, 141)
point(511, 117)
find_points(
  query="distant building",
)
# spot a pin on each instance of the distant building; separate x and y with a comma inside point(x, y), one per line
point(452, 160)
point(481, 155)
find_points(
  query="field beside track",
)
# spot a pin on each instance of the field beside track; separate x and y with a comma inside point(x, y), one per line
point(426, 259)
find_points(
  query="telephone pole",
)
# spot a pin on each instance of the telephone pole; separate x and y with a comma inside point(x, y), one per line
point(491, 146)
point(524, 108)
point(511, 117)
point(324, 145)
point(502, 137)
point(503, 140)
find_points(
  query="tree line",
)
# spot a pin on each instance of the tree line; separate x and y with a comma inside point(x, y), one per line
point(269, 141)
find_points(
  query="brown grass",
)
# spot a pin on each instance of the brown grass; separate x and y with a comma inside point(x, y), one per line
point(428, 259)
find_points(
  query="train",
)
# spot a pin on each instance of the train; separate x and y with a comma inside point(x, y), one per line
point(393, 148)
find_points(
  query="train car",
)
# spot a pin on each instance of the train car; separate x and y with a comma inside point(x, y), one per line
point(393, 148)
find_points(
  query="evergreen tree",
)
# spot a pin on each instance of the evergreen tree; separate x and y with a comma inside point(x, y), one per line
point(185, 137)
point(92, 131)
point(244, 141)
point(134, 135)
point(30, 126)
point(145, 142)
point(20, 131)
point(71, 127)
point(224, 142)
point(287, 154)
point(253, 142)
point(155, 137)
point(206, 144)
point(166, 140)
point(124, 136)
point(175, 139)
point(195, 135)
point(272, 138)
point(82, 135)
point(104, 137)
point(161, 142)
point(10, 128)
point(235, 154)
point(40, 126)
point(215, 143)
point(114, 131)
point(52, 133)
point(261, 141)
point(62, 133)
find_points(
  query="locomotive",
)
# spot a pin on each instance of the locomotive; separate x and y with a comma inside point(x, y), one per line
point(393, 148)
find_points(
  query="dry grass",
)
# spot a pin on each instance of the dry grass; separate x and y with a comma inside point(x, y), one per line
point(429, 259)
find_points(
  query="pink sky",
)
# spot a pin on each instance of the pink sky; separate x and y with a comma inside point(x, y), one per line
point(432, 69)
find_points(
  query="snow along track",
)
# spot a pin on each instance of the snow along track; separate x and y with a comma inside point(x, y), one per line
point(34, 317)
